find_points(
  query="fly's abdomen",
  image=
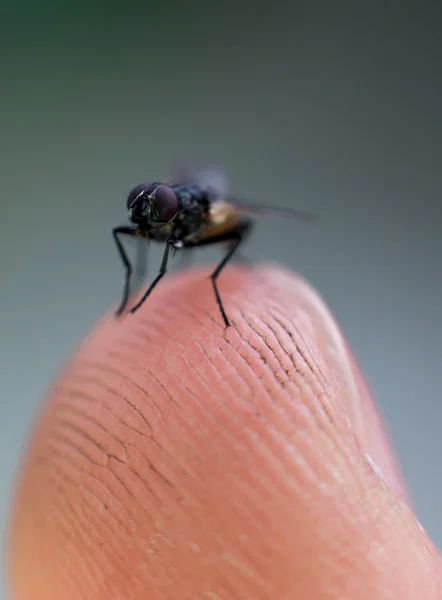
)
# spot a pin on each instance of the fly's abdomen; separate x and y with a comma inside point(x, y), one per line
point(222, 217)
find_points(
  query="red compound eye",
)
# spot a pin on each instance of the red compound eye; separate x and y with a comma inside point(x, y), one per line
point(165, 202)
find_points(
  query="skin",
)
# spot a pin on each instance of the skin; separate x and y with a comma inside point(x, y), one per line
point(176, 460)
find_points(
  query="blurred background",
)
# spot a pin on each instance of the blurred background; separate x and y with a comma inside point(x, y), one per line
point(334, 107)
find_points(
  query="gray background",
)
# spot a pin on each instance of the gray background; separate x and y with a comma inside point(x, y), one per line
point(330, 106)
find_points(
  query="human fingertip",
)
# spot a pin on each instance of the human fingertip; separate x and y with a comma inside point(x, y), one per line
point(181, 460)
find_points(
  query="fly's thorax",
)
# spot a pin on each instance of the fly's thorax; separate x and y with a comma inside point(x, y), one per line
point(193, 210)
point(191, 196)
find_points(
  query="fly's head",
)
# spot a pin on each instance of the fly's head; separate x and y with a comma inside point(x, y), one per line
point(152, 205)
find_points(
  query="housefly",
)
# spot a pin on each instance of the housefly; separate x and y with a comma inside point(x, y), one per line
point(191, 208)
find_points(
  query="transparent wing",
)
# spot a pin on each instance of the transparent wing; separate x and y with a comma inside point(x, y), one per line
point(215, 181)
point(276, 212)
point(206, 177)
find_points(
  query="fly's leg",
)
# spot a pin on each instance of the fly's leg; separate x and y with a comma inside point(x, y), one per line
point(161, 273)
point(235, 237)
point(218, 270)
point(126, 262)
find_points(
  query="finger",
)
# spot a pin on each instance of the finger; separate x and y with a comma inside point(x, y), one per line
point(176, 459)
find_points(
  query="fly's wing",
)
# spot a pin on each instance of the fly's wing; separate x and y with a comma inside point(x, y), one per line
point(216, 183)
point(207, 178)
point(255, 209)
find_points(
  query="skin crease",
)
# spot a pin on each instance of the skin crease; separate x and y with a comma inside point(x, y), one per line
point(177, 460)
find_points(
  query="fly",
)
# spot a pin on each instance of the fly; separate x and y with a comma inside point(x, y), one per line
point(190, 210)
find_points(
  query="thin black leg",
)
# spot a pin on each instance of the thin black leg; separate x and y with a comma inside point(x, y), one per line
point(126, 262)
point(161, 273)
point(235, 238)
point(218, 270)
